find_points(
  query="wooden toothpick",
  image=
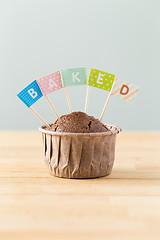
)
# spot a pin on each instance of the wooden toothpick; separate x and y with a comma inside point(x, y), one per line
point(39, 117)
point(107, 101)
point(87, 97)
point(69, 104)
point(51, 106)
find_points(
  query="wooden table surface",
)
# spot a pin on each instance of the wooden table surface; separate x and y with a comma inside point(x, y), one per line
point(36, 205)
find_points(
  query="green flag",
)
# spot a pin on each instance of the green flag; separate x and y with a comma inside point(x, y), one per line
point(74, 76)
point(100, 79)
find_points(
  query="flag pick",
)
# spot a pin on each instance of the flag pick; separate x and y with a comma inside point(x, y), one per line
point(48, 84)
point(125, 90)
point(99, 79)
point(39, 117)
point(51, 106)
point(73, 77)
point(31, 94)
point(107, 101)
point(87, 97)
point(69, 104)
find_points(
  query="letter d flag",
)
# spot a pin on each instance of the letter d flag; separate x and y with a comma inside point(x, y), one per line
point(124, 90)
point(30, 94)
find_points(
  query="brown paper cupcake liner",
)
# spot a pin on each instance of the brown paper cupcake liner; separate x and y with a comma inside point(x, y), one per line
point(79, 155)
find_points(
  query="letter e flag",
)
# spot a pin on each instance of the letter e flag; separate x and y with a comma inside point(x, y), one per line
point(30, 94)
point(74, 76)
point(50, 83)
point(124, 90)
point(100, 79)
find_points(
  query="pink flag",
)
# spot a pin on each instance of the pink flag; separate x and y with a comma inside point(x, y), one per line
point(50, 83)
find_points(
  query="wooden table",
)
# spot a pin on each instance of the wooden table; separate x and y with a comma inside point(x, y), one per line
point(36, 205)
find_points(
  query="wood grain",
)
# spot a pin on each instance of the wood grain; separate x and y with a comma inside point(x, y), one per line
point(36, 205)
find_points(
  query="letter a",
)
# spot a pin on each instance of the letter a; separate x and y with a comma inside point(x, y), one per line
point(52, 83)
point(75, 77)
point(126, 91)
point(99, 78)
point(32, 93)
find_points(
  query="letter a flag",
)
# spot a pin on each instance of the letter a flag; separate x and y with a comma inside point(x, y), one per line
point(124, 90)
point(30, 94)
point(50, 83)
point(100, 79)
point(74, 77)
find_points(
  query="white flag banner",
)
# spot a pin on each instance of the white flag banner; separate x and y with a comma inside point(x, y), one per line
point(124, 90)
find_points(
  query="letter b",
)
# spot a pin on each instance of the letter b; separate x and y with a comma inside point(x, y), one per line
point(32, 93)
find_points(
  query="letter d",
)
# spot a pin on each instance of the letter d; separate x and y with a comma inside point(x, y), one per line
point(126, 88)
point(32, 93)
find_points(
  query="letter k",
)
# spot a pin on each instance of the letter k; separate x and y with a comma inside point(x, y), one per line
point(74, 76)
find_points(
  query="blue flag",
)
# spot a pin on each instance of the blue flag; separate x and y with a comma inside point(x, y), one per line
point(30, 94)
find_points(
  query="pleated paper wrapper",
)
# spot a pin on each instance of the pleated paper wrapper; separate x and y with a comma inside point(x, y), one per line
point(79, 155)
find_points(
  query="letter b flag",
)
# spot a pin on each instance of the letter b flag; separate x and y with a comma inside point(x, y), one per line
point(30, 94)
point(124, 90)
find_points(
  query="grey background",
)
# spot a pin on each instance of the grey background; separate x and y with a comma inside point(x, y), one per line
point(38, 37)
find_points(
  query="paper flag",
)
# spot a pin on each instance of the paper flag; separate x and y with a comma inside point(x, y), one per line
point(30, 94)
point(100, 79)
point(74, 76)
point(124, 90)
point(50, 83)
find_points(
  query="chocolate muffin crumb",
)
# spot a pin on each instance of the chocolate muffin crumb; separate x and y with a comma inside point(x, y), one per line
point(78, 122)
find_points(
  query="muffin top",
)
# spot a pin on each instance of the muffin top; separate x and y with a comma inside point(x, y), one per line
point(78, 122)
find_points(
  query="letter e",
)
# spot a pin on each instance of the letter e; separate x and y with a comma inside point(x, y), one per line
point(99, 78)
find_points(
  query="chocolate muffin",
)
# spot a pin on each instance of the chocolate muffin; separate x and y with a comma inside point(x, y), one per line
point(79, 146)
point(78, 122)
